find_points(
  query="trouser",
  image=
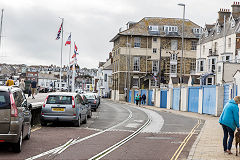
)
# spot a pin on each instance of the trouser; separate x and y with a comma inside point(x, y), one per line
point(143, 101)
point(136, 102)
point(227, 131)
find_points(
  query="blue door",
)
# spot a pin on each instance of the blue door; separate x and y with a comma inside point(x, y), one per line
point(193, 99)
point(163, 99)
point(130, 96)
point(176, 98)
point(150, 92)
point(135, 95)
point(226, 94)
point(209, 100)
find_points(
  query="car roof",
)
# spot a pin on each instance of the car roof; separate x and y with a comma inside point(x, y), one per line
point(8, 88)
point(63, 93)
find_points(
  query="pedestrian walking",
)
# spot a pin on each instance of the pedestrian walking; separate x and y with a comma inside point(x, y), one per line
point(10, 81)
point(22, 85)
point(29, 91)
point(229, 120)
point(137, 99)
point(33, 88)
point(144, 99)
point(140, 100)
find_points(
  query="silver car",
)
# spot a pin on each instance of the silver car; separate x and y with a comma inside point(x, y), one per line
point(63, 106)
point(15, 117)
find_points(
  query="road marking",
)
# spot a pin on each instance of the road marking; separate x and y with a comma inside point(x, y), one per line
point(139, 121)
point(120, 143)
point(180, 148)
point(35, 129)
point(66, 145)
point(157, 121)
point(132, 125)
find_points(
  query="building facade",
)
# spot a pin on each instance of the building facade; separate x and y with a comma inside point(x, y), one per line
point(136, 53)
point(219, 48)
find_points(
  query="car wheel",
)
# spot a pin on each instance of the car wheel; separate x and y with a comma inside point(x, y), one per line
point(43, 123)
point(90, 113)
point(17, 147)
point(29, 133)
point(85, 120)
point(77, 123)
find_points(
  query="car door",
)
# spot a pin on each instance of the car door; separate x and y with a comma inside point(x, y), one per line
point(26, 113)
point(83, 107)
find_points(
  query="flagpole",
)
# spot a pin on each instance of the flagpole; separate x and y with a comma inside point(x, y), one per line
point(61, 57)
point(73, 75)
point(69, 64)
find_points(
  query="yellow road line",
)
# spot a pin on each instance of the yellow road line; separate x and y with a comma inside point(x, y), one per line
point(180, 148)
point(35, 129)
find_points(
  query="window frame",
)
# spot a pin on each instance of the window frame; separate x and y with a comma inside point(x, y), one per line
point(136, 64)
point(155, 66)
point(137, 42)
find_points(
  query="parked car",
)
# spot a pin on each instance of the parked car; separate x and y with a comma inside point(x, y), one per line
point(92, 99)
point(64, 106)
point(88, 105)
point(15, 117)
point(98, 97)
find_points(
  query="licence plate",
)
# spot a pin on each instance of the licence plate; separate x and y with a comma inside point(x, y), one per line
point(58, 109)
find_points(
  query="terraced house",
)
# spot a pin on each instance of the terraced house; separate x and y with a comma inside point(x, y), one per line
point(136, 53)
point(218, 53)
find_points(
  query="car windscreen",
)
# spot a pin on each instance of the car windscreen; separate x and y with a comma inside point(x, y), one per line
point(59, 99)
point(4, 100)
point(90, 96)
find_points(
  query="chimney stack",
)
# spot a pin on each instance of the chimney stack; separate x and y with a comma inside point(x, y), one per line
point(223, 12)
point(236, 9)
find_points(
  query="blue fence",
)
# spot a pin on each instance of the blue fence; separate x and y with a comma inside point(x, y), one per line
point(176, 98)
point(209, 100)
point(193, 99)
point(163, 99)
point(150, 92)
point(226, 94)
point(130, 96)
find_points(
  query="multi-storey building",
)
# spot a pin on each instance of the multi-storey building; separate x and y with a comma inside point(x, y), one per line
point(219, 48)
point(136, 53)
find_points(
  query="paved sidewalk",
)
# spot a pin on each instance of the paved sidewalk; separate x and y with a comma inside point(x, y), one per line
point(208, 145)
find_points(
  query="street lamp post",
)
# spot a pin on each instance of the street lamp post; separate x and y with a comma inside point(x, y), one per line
point(183, 5)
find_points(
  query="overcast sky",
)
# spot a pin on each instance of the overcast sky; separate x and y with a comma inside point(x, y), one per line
point(30, 26)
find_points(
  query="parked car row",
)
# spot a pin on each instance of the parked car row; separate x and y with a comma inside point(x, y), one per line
point(69, 107)
point(15, 112)
point(93, 99)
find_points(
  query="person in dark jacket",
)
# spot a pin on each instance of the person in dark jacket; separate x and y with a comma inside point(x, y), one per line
point(143, 99)
point(137, 99)
point(229, 120)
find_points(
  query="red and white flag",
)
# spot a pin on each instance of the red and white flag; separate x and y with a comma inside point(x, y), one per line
point(68, 40)
point(59, 32)
point(75, 51)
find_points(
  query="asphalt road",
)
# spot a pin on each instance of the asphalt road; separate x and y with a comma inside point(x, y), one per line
point(150, 135)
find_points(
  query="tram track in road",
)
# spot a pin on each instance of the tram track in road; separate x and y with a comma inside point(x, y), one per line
point(58, 150)
point(120, 143)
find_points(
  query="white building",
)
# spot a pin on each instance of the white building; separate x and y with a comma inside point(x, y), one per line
point(219, 48)
point(104, 74)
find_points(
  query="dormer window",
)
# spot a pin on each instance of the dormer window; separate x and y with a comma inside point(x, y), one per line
point(206, 33)
point(233, 23)
point(197, 30)
point(168, 29)
point(218, 29)
point(153, 28)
